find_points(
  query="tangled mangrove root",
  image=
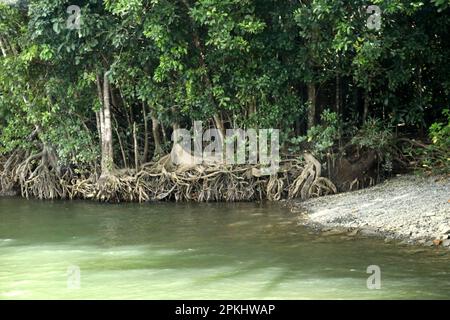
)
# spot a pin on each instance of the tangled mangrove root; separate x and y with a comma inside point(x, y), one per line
point(8, 178)
point(38, 176)
point(310, 183)
point(154, 183)
point(358, 183)
point(162, 181)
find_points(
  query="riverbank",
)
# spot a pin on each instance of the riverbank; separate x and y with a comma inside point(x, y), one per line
point(163, 180)
point(411, 209)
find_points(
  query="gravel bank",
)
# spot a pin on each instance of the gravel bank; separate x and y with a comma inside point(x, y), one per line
point(409, 208)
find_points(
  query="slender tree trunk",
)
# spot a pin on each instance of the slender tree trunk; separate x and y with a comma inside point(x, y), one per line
point(6, 46)
point(156, 137)
point(122, 149)
point(338, 94)
point(10, 46)
point(102, 129)
point(127, 107)
point(366, 106)
point(419, 91)
point(114, 101)
point(2, 47)
point(99, 114)
point(220, 127)
point(163, 130)
point(355, 97)
point(312, 105)
point(107, 142)
point(145, 153)
point(136, 148)
point(97, 121)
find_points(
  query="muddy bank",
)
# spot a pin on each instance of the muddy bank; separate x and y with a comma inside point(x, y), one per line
point(408, 208)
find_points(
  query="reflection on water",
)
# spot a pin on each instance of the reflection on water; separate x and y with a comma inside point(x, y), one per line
point(197, 251)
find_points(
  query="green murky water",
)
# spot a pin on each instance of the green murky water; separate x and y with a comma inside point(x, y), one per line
point(197, 251)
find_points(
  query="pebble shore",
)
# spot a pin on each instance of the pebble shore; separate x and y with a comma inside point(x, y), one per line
point(411, 209)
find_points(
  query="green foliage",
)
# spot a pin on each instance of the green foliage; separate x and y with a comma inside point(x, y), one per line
point(246, 62)
point(377, 135)
point(441, 4)
point(440, 132)
point(323, 137)
point(436, 157)
point(73, 144)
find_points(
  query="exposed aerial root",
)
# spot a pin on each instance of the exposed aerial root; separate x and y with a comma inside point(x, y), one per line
point(38, 176)
point(8, 177)
point(310, 183)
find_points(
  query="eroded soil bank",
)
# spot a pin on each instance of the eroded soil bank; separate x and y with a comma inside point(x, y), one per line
point(409, 208)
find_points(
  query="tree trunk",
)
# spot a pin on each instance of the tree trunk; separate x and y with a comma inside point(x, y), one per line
point(156, 137)
point(338, 94)
point(164, 135)
point(145, 153)
point(99, 114)
point(122, 149)
point(107, 146)
point(311, 105)
point(366, 107)
point(2, 47)
point(136, 148)
point(355, 97)
point(220, 127)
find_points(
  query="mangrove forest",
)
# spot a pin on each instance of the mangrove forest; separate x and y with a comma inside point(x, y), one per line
point(93, 92)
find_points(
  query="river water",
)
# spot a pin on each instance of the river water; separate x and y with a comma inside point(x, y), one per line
point(84, 250)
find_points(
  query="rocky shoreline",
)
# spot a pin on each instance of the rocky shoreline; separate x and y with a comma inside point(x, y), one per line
point(409, 209)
